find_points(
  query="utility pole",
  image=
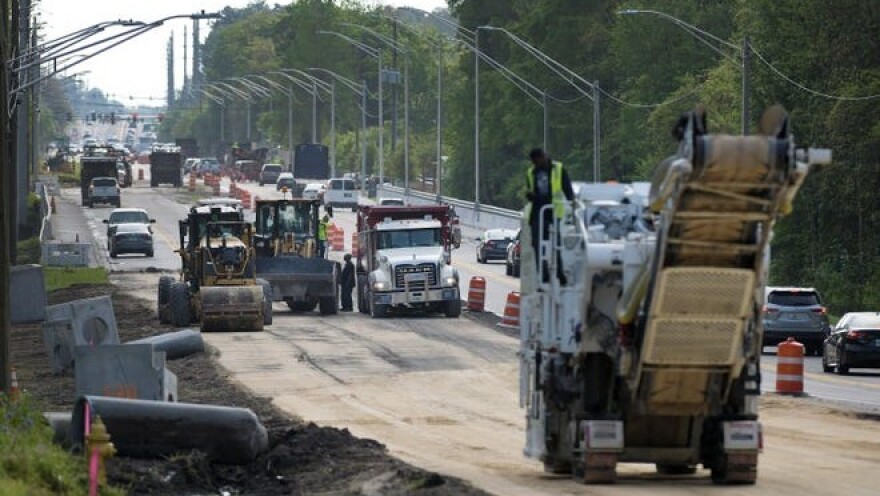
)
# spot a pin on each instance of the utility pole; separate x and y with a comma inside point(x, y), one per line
point(196, 56)
point(381, 126)
point(405, 120)
point(290, 127)
point(363, 136)
point(597, 134)
point(170, 84)
point(746, 69)
point(34, 105)
point(314, 112)
point(439, 171)
point(394, 95)
point(7, 40)
point(187, 91)
point(21, 124)
point(332, 126)
point(477, 125)
point(546, 119)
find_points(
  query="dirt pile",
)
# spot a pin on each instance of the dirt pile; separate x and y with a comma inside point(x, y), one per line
point(303, 458)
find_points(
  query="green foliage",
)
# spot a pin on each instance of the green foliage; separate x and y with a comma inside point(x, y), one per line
point(28, 251)
point(65, 277)
point(30, 463)
point(650, 70)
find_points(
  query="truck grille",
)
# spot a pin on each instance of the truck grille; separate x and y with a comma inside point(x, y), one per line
point(401, 271)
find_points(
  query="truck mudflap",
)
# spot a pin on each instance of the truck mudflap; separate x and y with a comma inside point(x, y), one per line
point(742, 441)
point(412, 298)
point(602, 444)
point(231, 308)
point(298, 277)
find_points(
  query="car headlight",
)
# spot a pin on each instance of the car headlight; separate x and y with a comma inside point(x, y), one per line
point(380, 286)
point(450, 281)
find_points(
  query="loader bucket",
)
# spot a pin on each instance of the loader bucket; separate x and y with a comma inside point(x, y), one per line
point(298, 277)
point(231, 308)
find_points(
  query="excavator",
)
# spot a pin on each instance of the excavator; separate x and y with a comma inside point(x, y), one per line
point(217, 286)
point(641, 314)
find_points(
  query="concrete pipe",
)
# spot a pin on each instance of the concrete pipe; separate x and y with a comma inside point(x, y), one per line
point(178, 344)
point(155, 429)
point(60, 424)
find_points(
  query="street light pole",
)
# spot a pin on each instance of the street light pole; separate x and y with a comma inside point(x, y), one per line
point(406, 125)
point(381, 119)
point(477, 125)
point(290, 127)
point(546, 118)
point(597, 130)
point(746, 90)
point(333, 128)
point(438, 172)
point(363, 136)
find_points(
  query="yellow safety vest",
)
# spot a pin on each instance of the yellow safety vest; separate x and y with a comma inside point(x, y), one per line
point(556, 192)
point(322, 230)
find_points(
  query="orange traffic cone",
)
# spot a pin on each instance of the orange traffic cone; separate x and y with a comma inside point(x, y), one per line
point(14, 392)
point(511, 311)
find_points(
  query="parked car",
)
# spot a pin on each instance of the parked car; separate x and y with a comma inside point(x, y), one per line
point(131, 238)
point(313, 191)
point(104, 190)
point(127, 216)
point(190, 165)
point(854, 343)
point(285, 180)
point(797, 313)
point(492, 245)
point(513, 257)
point(207, 165)
point(269, 173)
point(394, 201)
point(341, 193)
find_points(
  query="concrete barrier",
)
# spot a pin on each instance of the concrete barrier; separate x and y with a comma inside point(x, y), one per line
point(156, 429)
point(27, 284)
point(92, 320)
point(489, 216)
point(60, 346)
point(57, 254)
point(178, 344)
point(133, 371)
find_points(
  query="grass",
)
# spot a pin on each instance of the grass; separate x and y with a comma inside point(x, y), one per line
point(29, 462)
point(65, 277)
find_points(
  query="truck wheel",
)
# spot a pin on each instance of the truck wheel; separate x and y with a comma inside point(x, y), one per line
point(165, 283)
point(363, 306)
point(267, 301)
point(508, 270)
point(179, 298)
point(452, 308)
point(328, 305)
point(724, 473)
point(516, 268)
point(378, 311)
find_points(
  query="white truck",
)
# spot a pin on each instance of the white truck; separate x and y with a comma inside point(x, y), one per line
point(650, 351)
point(404, 259)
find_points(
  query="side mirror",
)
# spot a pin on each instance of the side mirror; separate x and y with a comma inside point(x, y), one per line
point(106, 221)
point(152, 221)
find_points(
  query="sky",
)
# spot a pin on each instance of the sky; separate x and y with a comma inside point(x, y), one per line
point(135, 72)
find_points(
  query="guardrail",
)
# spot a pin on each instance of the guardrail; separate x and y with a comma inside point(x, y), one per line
point(489, 215)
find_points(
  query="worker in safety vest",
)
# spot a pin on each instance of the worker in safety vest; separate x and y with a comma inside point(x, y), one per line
point(547, 183)
point(322, 236)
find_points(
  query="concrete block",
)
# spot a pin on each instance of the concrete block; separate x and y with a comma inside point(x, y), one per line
point(58, 254)
point(176, 344)
point(28, 290)
point(60, 346)
point(131, 371)
point(93, 320)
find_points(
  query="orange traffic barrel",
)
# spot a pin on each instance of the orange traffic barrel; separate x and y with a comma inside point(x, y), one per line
point(790, 367)
point(337, 239)
point(511, 311)
point(477, 294)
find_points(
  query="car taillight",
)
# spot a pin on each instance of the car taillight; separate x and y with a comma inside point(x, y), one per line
point(770, 309)
point(820, 310)
point(855, 335)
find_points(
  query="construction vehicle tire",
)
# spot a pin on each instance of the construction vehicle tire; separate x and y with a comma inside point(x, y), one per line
point(363, 306)
point(165, 283)
point(179, 299)
point(328, 305)
point(267, 301)
point(378, 311)
point(452, 309)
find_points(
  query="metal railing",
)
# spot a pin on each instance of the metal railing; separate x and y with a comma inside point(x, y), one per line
point(488, 214)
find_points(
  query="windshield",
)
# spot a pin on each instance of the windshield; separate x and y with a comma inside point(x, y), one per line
point(409, 238)
point(342, 184)
point(129, 218)
point(292, 218)
point(272, 168)
point(104, 182)
point(793, 298)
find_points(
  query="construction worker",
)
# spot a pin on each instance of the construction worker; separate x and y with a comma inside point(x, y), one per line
point(322, 236)
point(547, 183)
point(346, 283)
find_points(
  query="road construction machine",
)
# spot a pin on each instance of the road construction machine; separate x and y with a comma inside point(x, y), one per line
point(217, 285)
point(404, 259)
point(287, 255)
point(641, 314)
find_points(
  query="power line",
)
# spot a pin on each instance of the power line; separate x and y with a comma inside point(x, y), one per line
point(626, 103)
point(807, 89)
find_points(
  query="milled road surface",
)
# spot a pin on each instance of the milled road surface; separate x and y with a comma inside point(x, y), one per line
point(443, 394)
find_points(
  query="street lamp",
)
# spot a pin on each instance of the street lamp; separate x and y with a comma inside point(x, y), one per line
point(375, 53)
point(288, 91)
point(399, 48)
point(221, 103)
point(701, 35)
point(362, 92)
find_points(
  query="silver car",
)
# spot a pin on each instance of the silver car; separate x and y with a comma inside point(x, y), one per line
point(798, 313)
point(131, 238)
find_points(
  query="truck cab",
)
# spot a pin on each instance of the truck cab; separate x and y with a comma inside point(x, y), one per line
point(404, 260)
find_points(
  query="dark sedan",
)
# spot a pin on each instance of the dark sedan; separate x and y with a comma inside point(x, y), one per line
point(854, 343)
point(131, 238)
point(492, 245)
point(513, 257)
